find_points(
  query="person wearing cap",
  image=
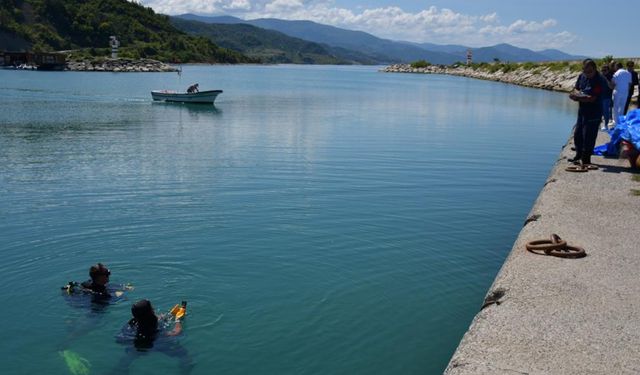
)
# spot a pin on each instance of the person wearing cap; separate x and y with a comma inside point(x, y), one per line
point(193, 89)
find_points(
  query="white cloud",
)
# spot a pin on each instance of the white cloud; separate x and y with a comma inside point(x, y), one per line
point(519, 27)
point(238, 5)
point(435, 25)
point(490, 18)
point(283, 6)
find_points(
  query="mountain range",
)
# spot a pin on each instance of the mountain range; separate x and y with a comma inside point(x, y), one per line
point(269, 46)
point(82, 28)
point(385, 51)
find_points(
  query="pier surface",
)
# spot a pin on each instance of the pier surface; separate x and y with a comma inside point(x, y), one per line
point(567, 316)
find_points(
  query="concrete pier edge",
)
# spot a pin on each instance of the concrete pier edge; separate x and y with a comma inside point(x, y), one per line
point(566, 316)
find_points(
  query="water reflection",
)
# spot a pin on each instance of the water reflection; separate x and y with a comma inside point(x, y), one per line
point(194, 108)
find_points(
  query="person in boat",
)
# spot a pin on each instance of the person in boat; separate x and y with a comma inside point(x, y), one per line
point(146, 331)
point(193, 89)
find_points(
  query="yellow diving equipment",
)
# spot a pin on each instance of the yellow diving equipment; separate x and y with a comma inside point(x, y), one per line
point(76, 364)
point(179, 311)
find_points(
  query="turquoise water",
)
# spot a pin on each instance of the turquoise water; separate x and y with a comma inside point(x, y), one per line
point(321, 220)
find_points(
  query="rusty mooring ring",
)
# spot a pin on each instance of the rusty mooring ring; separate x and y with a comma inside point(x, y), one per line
point(555, 246)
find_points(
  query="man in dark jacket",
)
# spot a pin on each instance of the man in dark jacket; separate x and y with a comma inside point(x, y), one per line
point(588, 93)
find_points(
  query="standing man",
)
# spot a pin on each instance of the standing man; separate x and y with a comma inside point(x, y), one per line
point(621, 82)
point(588, 93)
point(632, 86)
point(606, 96)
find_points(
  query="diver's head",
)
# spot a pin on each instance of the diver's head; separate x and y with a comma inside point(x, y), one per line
point(145, 322)
point(99, 274)
point(144, 315)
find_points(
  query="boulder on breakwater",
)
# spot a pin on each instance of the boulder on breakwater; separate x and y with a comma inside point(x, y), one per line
point(120, 65)
point(539, 77)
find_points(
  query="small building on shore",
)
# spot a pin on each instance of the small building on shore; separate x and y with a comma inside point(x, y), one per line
point(37, 60)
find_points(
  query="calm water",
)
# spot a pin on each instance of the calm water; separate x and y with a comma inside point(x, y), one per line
point(323, 220)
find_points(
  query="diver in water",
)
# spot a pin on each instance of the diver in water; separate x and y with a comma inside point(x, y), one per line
point(93, 296)
point(97, 286)
point(148, 331)
point(145, 324)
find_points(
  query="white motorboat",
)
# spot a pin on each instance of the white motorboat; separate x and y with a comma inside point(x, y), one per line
point(204, 97)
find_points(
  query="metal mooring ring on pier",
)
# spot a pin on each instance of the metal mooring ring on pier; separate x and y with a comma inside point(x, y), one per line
point(555, 246)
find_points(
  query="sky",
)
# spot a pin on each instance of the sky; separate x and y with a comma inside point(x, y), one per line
point(587, 27)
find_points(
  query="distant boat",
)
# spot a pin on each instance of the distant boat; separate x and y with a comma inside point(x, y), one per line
point(203, 97)
point(26, 67)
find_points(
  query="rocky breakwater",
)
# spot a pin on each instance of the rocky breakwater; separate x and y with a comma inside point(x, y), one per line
point(538, 77)
point(120, 65)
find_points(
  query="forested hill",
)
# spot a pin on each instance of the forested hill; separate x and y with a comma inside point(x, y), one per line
point(55, 25)
point(265, 45)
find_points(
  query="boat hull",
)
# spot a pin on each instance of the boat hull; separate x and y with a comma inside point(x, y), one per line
point(202, 97)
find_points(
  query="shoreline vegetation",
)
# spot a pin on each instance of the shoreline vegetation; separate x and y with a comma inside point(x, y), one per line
point(555, 76)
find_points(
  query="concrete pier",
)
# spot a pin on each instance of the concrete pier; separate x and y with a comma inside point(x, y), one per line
point(567, 316)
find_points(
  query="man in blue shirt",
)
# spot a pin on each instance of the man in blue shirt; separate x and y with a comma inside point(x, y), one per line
point(588, 93)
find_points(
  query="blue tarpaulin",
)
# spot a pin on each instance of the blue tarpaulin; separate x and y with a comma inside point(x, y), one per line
point(628, 129)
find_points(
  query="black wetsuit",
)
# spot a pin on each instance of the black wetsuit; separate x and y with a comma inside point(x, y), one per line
point(101, 296)
point(99, 292)
point(94, 299)
point(151, 340)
